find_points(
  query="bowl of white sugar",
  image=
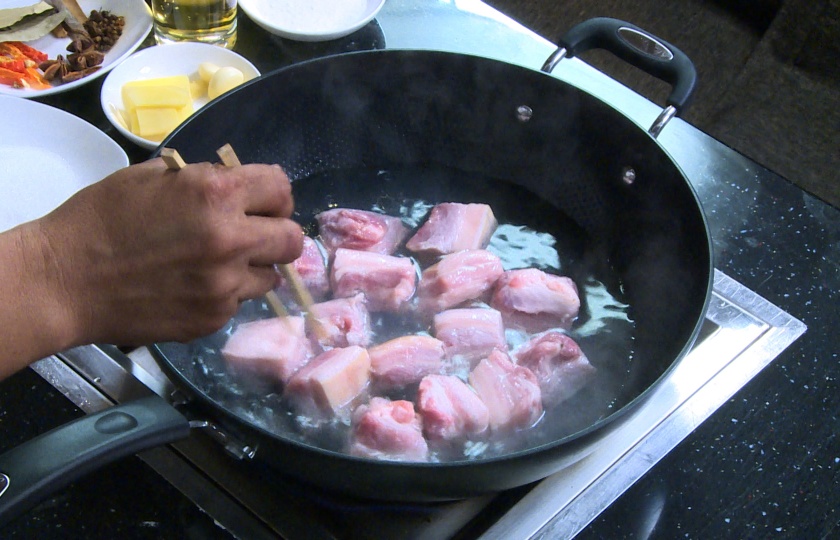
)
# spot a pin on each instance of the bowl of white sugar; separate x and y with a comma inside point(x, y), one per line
point(311, 20)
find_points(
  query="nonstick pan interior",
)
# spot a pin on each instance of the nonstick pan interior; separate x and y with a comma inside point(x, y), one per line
point(388, 129)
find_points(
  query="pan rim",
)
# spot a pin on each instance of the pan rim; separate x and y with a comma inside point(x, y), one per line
point(517, 455)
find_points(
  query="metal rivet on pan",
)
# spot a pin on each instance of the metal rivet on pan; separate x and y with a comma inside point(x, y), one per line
point(628, 175)
point(524, 113)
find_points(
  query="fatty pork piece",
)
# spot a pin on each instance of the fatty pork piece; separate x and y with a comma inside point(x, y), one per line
point(560, 366)
point(386, 281)
point(405, 360)
point(388, 430)
point(331, 380)
point(360, 230)
point(457, 278)
point(275, 348)
point(534, 301)
point(450, 408)
point(510, 392)
point(454, 227)
point(312, 270)
point(345, 321)
point(470, 333)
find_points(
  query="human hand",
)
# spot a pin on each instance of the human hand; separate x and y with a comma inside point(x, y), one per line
point(151, 254)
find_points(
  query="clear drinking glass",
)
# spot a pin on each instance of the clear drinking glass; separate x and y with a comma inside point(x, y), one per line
point(206, 21)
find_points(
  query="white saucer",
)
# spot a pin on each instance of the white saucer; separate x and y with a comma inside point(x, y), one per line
point(311, 20)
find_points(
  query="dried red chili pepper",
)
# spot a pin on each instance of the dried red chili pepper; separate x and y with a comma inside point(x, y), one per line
point(11, 78)
point(12, 64)
point(19, 67)
point(35, 80)
point(30, 52)
point(29, 78)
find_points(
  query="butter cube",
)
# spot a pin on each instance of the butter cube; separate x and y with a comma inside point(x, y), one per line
point(198, 87)
point(155, 107)
point(155, 123)
point(156, 96)
point(185, 111)
point(158, 92)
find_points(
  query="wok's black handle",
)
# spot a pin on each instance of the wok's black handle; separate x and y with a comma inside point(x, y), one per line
point(53, 460)
point(647, 52)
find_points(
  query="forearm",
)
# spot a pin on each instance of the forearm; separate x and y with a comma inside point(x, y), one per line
point(98, 270)
point(35, 318)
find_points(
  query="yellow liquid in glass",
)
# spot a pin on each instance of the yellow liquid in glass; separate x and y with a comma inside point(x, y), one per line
point(208, 21)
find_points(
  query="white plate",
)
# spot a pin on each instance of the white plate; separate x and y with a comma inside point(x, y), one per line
point(311, 20)
point(164, 61)
point(47, 155)
point(138, 23)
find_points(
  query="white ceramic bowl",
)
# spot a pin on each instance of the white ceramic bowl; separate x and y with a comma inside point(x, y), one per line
point(164, 61)
point(138, 23)
point(311, 20)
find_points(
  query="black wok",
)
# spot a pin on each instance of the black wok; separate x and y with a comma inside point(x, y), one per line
point(380, 128)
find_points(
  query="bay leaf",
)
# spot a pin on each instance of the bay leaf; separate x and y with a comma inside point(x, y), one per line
point(32, 27)
point(10, 16)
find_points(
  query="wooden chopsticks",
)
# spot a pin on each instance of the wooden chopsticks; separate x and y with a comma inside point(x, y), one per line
point(299, 290)
point(228, 156)
point(302, 296)
point(173, 159)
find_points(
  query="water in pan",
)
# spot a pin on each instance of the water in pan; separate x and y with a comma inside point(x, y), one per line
point(531, 233)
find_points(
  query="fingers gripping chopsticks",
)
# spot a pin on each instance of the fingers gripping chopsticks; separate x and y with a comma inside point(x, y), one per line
point(302, 296)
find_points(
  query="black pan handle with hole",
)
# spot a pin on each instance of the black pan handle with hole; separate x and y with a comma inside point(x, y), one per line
point(639, 48)
point(39, 467)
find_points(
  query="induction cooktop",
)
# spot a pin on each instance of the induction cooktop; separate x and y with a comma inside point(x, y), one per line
point(741, 335)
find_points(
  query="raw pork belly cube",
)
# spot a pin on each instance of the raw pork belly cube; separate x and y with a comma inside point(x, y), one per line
point(470, 333)
point(332, 379)
point(388, 430)
point(345, 321)
point(454, 227)
point(387, 282)
point(511, 392)
point(458, 278)
point(405, 360)
point(560, 366)
point(534, 301)
point(360, 230)
point(275, 348)
point(312, 270)
point(450, 408)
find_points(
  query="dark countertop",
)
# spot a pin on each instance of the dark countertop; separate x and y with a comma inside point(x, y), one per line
point(767, 463)
point(764, 465)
